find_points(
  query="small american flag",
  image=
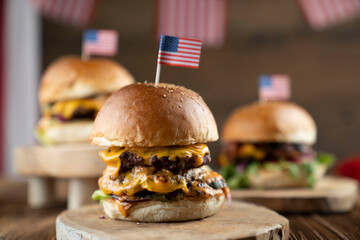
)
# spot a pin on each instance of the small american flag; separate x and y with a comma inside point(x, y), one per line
point(274, 87)
point(78, 13)
point(321, 14)
point(199, 19)
point(100, 42)
point(178, 51)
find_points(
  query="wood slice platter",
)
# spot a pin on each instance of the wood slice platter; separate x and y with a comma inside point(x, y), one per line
point(61, 161)
point(241, 221)
point(331, 194)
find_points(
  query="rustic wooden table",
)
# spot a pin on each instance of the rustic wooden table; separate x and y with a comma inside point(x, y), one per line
point(18, 221)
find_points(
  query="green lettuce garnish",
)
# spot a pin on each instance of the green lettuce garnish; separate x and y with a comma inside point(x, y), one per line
point(240, 180)
point(310, 171)
point(41, 137)
point(228, 171)
point(294, 170)
point(99, 195)
point(325, 158)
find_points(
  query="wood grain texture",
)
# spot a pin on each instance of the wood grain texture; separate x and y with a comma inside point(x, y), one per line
point(241, 221)
point(332, 194)
point(61, 161)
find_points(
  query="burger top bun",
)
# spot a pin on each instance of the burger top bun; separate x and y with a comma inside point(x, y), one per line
point(270, 122)
point(145, 115)
point(71, 77)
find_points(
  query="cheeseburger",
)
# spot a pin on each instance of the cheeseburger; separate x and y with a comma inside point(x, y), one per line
point(71, 93)
point(156, 156)
point(269, 145)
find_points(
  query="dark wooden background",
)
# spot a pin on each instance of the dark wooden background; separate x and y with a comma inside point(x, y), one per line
point(263, 37)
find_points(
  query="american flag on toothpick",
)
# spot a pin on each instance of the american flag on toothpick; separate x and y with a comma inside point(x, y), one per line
point(178, 51)
point(99, 42)
point(321, 14)
point(274, 87)
point(78, 13)
point(199, 19)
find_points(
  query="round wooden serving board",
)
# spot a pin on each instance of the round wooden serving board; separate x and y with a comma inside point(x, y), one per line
point(331, 194)
point(241, 221)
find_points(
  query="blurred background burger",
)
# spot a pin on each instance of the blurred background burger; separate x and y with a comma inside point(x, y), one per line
point(269, 145)
point(71, 93)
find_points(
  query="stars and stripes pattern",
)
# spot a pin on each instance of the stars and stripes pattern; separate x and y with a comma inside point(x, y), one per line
point(78, 13)
point(199, 19)
point(100, 42)
point(320, 14)
point(274, 87)
point(178, 51)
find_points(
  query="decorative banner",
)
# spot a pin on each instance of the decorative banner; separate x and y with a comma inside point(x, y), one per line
point(321, 14)
point(99, 42)
point(274, 87)
point(78, 13)
point(200, 19)
point(178, 51)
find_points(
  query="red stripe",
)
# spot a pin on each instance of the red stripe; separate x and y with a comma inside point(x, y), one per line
point(51, 7)
point(179, 65)
point(165, 17)
point(336, 11)
point(84, 13)
point(2, 86)
point(92, 12)
point(61, 9)
point(166, 54)
point(189, 53)
point(175, 18)
point(178, 60)
point(196, 49)
point(325, 13)
point(187, 18)
point(206, 22)
point(196, 20)
point(192, 44)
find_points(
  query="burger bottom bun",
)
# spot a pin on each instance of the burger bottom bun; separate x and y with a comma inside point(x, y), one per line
point(270, 179)
point(68, 132)
point(156, 211)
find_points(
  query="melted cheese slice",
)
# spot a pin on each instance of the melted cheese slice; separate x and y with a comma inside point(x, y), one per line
point(111, 156)
point(67, 108)
point(249, 150)
point(140, 179)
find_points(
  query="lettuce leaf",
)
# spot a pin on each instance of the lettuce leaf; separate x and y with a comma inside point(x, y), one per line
point(310, 170)
point(240, 180)
point(294, 170)
point(40, 136)
point(99, 195)
point(228, 171)
point(325, 158)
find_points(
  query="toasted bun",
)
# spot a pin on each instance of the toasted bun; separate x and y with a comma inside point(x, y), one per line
point(70, 77)
point(272, 179)
point(270, 122)
point(145, 115)
point(66, 132)
point(156, 211)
